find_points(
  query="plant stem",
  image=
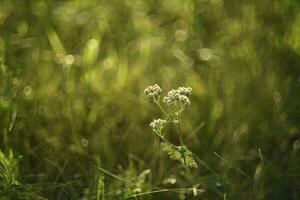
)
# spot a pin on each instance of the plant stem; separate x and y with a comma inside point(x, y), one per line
point(166, 141)
point(176, 125)
point(163, 110)
point(179, 131)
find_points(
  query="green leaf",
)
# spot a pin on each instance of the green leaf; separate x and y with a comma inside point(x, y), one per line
point(188, 158)
point(179, 153)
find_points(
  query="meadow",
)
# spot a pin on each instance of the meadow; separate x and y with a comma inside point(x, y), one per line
point(77, 123)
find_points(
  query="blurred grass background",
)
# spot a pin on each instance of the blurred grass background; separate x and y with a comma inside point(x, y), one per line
point(72, 103)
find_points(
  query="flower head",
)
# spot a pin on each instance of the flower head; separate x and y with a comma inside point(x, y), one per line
point(157, 125)
point(187, 91)
point(184, 99)
point(153, 91)
point(179, 95)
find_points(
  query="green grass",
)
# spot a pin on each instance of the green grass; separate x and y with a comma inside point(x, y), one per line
point(74, 119)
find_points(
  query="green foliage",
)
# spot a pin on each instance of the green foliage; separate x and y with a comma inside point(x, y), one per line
point(9, 172)
point(72, 75)
point(10, 185)
point(182, 154)
point(96, 189)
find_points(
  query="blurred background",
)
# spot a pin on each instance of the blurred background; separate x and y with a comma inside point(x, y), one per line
point(72, 103)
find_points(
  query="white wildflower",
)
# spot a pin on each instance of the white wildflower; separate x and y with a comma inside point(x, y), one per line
point(187, 91)
point(153, 91)
point(157, 125)
point(179, 95)
point(184, 99)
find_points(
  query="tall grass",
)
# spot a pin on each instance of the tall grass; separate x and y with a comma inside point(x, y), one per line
point(72, 75)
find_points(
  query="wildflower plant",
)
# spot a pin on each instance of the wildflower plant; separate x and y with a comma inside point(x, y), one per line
point(176, 100)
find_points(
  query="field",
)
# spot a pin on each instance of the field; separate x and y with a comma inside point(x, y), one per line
point(77, 123)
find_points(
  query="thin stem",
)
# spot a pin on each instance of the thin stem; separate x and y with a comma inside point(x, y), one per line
point(166, 141)
point(163, 110)
point(177, 125)
point(166, 190)
point(231, 165)
point(112, 175)
point(178, 129)
point(165, 113)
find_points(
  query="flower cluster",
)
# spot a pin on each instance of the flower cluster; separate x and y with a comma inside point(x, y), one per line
point(157, 125)
point(153, 91)
point(180, 99)
point(187, 91)
point(179, 95)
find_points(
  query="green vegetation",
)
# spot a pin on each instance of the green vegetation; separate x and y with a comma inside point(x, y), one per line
point(74, 119)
